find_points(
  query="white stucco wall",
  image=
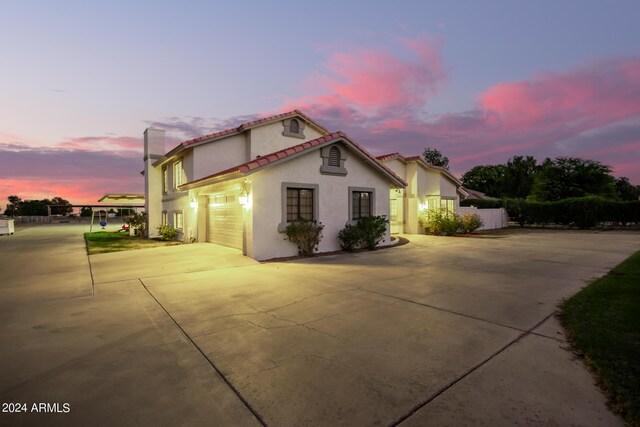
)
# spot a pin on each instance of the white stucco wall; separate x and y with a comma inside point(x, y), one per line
point(218, 155)
point(269, 138)
point(333, 195)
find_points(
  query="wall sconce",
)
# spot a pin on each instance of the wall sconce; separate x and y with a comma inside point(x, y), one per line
point(243, 200)
point(423, 206)
point(194, 203)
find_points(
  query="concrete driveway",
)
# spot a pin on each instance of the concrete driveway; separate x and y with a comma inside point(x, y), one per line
point(442, 331)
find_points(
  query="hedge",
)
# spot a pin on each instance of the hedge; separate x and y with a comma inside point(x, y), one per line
point(583, 212)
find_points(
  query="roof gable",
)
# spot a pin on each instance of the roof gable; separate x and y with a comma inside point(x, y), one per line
point(421, 162)
point(289, 153)
point(212, 137)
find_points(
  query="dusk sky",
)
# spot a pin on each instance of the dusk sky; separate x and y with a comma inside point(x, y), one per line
point(481, 81)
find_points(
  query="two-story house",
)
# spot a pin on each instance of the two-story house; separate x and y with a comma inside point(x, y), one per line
point(428, 187)
point(241, 187)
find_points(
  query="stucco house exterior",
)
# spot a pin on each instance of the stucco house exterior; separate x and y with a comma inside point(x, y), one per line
point(241, 187)
point(428, 187)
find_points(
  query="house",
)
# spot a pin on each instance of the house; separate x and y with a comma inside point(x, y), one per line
point(241, 187)
point(428, 187)
point(468, 193)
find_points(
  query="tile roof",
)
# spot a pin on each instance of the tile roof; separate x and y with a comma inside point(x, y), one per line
point(267, 159)
point(420, 160)
point(236, 130)
point(248, 125)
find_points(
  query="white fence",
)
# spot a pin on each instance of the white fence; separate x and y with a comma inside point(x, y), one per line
point(491, 218)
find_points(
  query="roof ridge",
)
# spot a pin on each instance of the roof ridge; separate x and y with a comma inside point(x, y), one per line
point(286, 152)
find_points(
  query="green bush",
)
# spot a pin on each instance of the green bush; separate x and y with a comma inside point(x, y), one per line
point(440, 222)
point(350, 237)
point(367, 233)
point(373, 229)
point(582, 212)
point(167, 232)
point(471, 222)
point(306, 234)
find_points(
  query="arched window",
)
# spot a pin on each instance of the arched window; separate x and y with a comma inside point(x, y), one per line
point(334, 157)
point(294, 126)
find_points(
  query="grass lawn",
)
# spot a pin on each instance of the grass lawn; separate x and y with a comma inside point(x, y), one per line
point(102, 242)
point(603, 325)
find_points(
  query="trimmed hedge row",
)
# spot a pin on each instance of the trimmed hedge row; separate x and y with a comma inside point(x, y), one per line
point(583, 212)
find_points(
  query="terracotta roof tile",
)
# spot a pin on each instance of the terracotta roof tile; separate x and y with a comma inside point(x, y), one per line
point(250, 124)
point(284, 153)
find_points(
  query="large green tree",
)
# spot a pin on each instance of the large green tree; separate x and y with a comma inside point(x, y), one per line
point(627, 191)
point(17, 206)
point(519, 175)
point(434, 157)
point(12, 206)
point(488, 179)
point(566, 177)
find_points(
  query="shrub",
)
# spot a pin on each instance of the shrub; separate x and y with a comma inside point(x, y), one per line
point(306, 234)
point(373, 229)
point(350, 237)
point(582, 212)
point(167, 232)
point(439, 222)
point(137, 220)
point(471, 222)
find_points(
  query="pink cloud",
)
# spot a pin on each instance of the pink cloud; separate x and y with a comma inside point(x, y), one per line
point(368, 84)
point(379, 98)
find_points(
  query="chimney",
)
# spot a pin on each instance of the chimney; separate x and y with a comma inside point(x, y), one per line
point(154, 149)
point(153, 143)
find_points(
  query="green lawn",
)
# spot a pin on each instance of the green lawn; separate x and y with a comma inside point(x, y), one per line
point(603, 325)
point(102, 242)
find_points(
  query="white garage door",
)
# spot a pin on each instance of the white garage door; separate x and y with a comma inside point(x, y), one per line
point(225, 220)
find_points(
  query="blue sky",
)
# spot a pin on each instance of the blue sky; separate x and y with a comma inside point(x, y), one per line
point(481, 81)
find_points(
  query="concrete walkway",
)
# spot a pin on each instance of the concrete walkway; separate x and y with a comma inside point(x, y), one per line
point(443, 331)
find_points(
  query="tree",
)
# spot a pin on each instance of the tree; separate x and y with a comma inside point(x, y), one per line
point(85, 211)
point(434, 157)
point(13, 207)
point(17, 206)
point(627, 191)
point(64, 207)
point(567, 177)
point(486, 178)
point(519, 176)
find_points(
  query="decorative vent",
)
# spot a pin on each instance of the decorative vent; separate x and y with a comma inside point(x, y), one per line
point(334, 157)
point(294, 126)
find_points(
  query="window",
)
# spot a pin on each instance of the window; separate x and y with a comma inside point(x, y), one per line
point(177, 174)
point(447, 205)
point(165, 180)
point(334, 157)
point(178, 220)
point(294, 126)
point(360, 204)
point(299, 204)
point(165, 218)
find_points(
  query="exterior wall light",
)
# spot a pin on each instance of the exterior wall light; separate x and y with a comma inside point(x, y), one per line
point(243, 200)
point(194, 203)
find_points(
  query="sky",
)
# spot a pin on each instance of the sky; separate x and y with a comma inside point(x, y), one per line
point(481, 81)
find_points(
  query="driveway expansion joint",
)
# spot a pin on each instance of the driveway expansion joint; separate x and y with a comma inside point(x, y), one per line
point(474, 368)
point(246, 403)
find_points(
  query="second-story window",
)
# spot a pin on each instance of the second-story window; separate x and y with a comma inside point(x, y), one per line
point(165, 180)
point(177, 174)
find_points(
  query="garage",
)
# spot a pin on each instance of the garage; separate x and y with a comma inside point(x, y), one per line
point(225, 220)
